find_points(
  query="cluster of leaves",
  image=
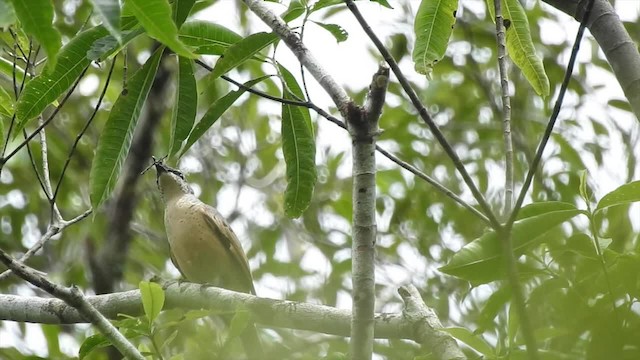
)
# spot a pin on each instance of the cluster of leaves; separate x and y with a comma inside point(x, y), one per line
point(580, 278)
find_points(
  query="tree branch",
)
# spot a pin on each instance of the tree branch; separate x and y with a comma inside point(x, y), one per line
point(74, 298)
point(189, 296)
point(614, 40)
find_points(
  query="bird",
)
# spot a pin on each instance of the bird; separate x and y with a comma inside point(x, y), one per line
point(203, 246)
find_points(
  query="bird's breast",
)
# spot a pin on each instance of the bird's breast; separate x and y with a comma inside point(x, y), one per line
point(199, 254)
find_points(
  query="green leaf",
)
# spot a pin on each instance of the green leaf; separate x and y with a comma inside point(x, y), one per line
point(207, 37)
point(215, 111)
point(384, 3)
point(6, 103)
point(481, 261)
point(152, 299)
point(520, 46)
point(6, 68)
point(115, 139)
point(239, 322)
point(240, 52)
point(321, 4)
point(294, 11)
point(299, 149)
point(155, 17)
point(46, 88)
point(338, 32)
point(186, 105)
point(182, 10)
point(625, 194)
point(433, 26)
point(109, 11)
point(104, 47)
point(543, 207)
point(470, 339)
point(92, 343)
point(36, 17)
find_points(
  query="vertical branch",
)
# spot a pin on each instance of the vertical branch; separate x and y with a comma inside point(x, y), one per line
point(363, 128)
point(506, 109)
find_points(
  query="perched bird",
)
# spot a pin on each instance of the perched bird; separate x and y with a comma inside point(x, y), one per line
point(204, 248)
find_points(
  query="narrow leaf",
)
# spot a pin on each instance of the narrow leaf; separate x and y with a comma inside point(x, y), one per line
point(433, 26)
point(299, 149)
point(182, 10)
point(155, 17)
point(36, 17)
point(241, 51)
point(625, 194)
point(215, 111)
point(520, 46)
point(481, 261)
point(152, 299)
point(185, 107)
point(116, 136)
point(109, 11)
point(207, 37)
point(6, 103)
point(104, 47)
point(6, 68)
point(47, 87)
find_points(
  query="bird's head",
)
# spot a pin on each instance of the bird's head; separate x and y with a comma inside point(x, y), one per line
point(171, 182)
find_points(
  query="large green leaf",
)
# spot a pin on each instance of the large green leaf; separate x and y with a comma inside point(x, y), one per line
point(45, 88)
point(481, 261)
point(299, 149)
point(207, 37)
point(215, 111)
point(36, 17)
point(109, 11)
point(520, 46)
point(116, 136)
point(433, 26)
point(241, 51)
point(185, 107)
point(155, 17)
point(152, 299)
point(625, 194)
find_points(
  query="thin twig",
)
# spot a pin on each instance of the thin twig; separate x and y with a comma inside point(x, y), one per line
point(424, 114)
point(55, 112)
point(86, 126)
point(441, 188)
point(553, 118)
point(52, 230)
point(73, 297)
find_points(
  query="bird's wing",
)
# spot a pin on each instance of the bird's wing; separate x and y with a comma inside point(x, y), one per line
point(225, 234)
point(175, 263)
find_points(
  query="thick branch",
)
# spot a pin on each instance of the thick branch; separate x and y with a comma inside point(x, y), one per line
point(188, 296)
point(362, 124)
point(75, 299)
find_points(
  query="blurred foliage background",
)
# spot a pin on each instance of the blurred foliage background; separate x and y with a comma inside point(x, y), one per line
point(238, 167)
